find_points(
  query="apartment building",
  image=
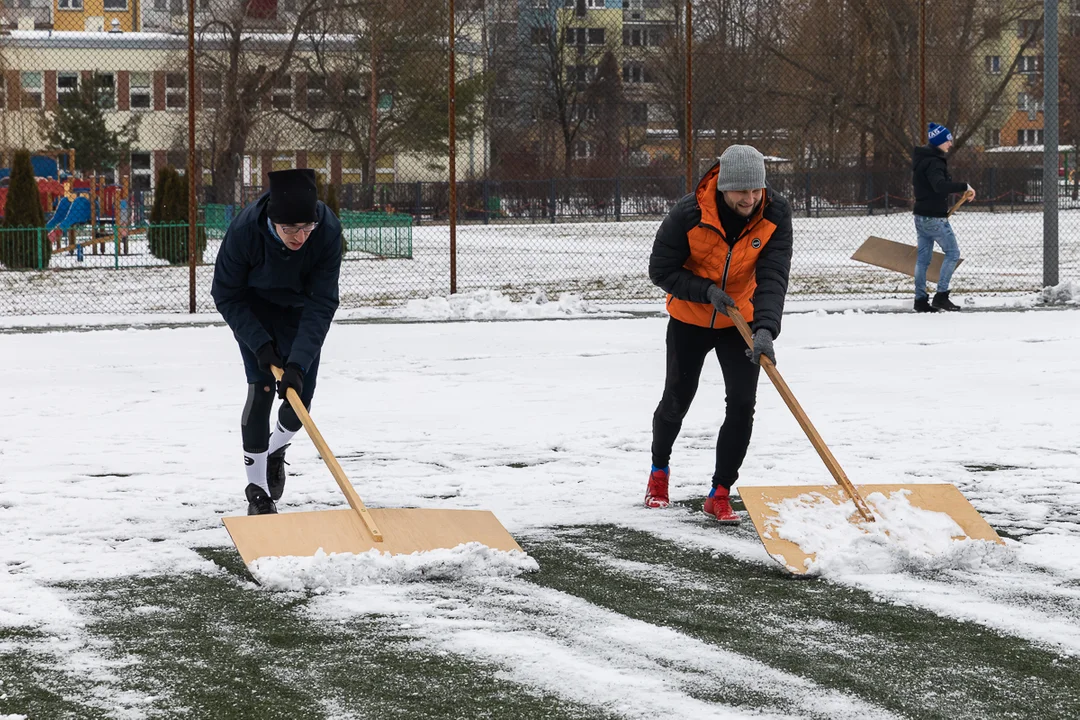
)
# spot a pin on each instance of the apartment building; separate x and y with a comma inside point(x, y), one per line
point(142, 76)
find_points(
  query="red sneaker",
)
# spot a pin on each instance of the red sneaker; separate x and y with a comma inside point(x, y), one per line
point(719, 506)
point(656, 495)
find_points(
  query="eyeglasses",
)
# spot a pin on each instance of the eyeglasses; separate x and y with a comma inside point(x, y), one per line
point(294, 229)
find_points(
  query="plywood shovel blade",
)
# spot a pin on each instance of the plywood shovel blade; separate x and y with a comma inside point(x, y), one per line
point(405, 530)
point(358, 529)
point(762, 503)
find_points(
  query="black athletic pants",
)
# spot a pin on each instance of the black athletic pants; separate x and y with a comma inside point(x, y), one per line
point(687, 346)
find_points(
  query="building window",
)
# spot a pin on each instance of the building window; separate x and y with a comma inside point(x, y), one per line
point(1030, 64)
point(993, 64)
point(584, 149)
point(584, 36)
point(116, 5)
point(1022, 101)
point(580, 74)
point(211, 91)
point(33, 86)
point(1025, 28)
point(282, 97)
point(595, 4)
point(67, 85)
point(596, 36)
point(316, 93)
point(991, 137)
point(161, 5)
point(106, 90)
point(632, 36)
point(175, 91)
point(1029, 137)
point(637, 113)
point(355, 88)
point(540, 35)
point(635, 73)
point(140, 91)
point(583, 113)
point(69, 4)
point(141, 172)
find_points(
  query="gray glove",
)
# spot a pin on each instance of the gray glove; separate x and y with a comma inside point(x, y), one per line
point(762, 346)
point(719, 298)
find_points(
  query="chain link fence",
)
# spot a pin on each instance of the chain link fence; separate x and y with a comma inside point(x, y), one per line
point(577, 124)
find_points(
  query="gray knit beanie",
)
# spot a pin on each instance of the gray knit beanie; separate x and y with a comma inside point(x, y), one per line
point(741, 168)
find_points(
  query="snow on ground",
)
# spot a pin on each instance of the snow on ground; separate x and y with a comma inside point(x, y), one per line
point(1002, 254)
point(121, 452)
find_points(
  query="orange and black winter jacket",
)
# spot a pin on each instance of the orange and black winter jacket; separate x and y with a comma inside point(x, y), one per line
point(692, 253)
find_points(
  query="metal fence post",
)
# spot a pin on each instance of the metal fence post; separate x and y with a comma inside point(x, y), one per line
point(618, 199)
point(1050, 143)
point(808, 193)
point(419, 199)
point(40, 250)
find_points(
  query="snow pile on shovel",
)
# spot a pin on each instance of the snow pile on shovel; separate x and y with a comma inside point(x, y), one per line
point(324, 571)
point(904, 537)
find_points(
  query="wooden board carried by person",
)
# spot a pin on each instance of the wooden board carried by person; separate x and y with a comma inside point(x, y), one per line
point(896, 256)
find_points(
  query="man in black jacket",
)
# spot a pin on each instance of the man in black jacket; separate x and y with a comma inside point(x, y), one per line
point(276, 285)
point(728, 244)
point(932, 184)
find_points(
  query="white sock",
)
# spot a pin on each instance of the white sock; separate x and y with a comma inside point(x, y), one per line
point(255, 464)
point(280, 438)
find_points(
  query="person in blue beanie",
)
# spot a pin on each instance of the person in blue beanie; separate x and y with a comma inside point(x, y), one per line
point(933, 184)
point(276, 285)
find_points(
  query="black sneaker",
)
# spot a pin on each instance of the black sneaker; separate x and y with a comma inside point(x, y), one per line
point(259, 503)
point(275, 472)
point(923, 305)
point(942, 302)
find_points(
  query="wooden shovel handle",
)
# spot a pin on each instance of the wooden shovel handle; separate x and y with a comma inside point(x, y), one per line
point(961, 201)
point(804, 421)
point(328, 457)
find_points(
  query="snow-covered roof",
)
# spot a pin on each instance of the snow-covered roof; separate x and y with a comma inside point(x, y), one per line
point(1028, 148)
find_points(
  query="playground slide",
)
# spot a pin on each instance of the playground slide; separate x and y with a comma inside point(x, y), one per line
point(62, 209)
point(77, 214)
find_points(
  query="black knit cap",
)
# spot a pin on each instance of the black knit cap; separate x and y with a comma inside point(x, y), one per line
point(293, 198)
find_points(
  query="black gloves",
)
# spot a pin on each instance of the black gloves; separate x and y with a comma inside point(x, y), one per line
point(267, 355)
point(762, 346)
point(293, 377)
point(719, 299)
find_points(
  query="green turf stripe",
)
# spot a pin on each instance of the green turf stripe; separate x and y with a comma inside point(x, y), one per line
point(32, 685)
point(907, 660)
point(214, 646)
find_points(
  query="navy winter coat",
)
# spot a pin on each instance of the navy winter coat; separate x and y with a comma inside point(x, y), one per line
point(255, 273)
point(931, 182)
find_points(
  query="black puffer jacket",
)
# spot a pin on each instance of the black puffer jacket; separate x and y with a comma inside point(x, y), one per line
point(255, 273)
point(932, 182)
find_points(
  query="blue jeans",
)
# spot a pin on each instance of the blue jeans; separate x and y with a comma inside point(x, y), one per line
point(929, 231)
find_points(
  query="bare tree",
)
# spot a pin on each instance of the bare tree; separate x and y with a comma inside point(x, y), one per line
point(249, 59)
point(388, 84)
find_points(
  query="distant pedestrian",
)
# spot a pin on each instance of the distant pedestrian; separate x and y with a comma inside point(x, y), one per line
point(728, 244)
point(933, 184)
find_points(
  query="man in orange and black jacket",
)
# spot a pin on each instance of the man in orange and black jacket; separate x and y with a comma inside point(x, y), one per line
point(726, 245)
